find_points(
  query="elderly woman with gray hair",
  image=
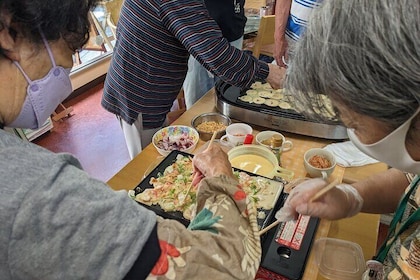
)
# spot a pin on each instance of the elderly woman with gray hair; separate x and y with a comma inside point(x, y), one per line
point(365, 56)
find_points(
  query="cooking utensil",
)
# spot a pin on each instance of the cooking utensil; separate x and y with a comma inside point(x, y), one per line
point(208, 147)
point(324, 190)
point(285, 218)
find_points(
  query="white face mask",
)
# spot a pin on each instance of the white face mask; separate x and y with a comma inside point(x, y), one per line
point(391, 149)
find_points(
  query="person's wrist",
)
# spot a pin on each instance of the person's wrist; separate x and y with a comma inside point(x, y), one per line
point(354, 199)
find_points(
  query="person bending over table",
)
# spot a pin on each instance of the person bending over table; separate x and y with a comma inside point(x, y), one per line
point(59, 223)
point(230, 17)
point(150, 61)
point(365, 56)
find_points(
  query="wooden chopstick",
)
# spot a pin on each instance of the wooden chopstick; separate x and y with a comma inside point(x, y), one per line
point(327, 188)
point(211, 140)
point(208, 147)
point(188, 190)
point(324, 190)
point(267, 228)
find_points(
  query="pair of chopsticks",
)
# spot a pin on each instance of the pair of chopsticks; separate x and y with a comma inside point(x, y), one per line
point(316, 196)
point(208, 147)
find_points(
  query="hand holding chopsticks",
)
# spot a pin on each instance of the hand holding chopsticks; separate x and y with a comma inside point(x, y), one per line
point(324, 190)
point(192, 181)
point(286, 212)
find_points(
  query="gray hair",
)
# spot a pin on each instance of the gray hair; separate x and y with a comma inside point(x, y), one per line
point(364, 54)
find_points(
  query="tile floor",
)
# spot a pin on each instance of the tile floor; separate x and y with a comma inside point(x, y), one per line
point(94, 136)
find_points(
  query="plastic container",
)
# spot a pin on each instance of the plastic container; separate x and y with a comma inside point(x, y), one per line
point(339, 259)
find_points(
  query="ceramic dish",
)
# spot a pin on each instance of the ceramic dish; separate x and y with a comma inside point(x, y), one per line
point(259, 160)
point(175, 137)
point(324, 156)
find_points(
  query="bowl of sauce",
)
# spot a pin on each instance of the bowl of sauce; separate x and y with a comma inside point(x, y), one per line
point(258, 160)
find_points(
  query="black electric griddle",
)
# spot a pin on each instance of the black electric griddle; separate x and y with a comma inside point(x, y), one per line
point(274, 118)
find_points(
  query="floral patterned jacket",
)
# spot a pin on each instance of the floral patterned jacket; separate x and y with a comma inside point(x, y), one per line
point(222, 241)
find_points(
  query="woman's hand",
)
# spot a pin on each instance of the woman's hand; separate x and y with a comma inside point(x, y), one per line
point(340, 202)
point(211, 162)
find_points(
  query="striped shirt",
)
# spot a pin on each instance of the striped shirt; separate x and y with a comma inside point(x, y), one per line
point(299, 15)
point(149, 62)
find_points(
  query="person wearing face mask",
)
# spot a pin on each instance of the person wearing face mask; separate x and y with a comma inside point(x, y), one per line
point(43, 95)
point(370, 57)
point(59, 223)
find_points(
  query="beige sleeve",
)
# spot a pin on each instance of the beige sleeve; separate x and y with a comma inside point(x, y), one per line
point(222, 241)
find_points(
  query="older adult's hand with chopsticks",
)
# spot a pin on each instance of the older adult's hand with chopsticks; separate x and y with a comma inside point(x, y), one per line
point(211, 162)
point(341, 201)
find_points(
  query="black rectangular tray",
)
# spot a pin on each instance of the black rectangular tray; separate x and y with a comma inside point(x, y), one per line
point(167, 161)
point(287, 261)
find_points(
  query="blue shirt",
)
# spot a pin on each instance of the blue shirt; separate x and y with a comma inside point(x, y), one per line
point(299, 15)
point(149, 62)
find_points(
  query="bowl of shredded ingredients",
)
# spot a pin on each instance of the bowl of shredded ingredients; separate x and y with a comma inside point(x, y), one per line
point(175, 137)
point(319, 162)
point(208, 123)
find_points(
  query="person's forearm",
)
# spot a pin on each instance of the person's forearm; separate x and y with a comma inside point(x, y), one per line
point(280, 45)
point(282, 12)
point(382, 192)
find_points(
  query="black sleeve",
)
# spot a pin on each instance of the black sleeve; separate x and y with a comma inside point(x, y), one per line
point(147, 258)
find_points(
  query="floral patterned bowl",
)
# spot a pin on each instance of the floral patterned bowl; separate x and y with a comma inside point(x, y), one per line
point(175, 137)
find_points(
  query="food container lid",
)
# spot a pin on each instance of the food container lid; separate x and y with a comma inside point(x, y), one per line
point(339, 259)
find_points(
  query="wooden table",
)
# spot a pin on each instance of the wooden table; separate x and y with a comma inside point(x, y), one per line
point(362, 228)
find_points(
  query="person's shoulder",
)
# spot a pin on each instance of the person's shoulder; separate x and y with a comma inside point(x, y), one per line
point(23, 162)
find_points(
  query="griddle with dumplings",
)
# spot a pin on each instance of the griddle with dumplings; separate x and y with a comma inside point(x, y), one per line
point(266, 107)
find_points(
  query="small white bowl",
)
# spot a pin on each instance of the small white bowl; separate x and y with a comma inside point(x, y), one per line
point(315, 171)
point(175, 137)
